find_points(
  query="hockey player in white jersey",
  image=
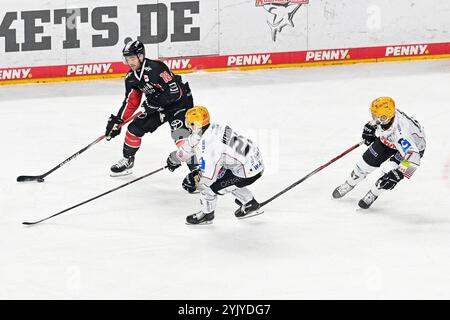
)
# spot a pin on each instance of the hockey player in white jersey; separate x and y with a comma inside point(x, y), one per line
point(391, 135)
point(228, 163)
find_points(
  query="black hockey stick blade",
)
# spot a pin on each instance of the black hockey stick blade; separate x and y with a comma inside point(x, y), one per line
point(36, 222)
point(30, 178)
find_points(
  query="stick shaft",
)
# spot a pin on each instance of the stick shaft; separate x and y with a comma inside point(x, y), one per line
point(76, 154)
point(96, 197)
point(311, 173)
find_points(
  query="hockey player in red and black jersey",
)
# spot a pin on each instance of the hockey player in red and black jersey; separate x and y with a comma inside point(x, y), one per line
point(167, 99)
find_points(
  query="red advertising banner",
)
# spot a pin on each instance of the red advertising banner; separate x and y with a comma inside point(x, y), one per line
point(231, 62)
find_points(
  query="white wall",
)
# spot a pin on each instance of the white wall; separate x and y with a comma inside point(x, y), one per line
point(225, 27)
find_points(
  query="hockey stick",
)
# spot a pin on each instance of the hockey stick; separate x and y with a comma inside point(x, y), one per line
point(96, 197)
point(311, 173)
point(41, 177)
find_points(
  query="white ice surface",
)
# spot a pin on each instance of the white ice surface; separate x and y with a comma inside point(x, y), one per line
point(134, 244)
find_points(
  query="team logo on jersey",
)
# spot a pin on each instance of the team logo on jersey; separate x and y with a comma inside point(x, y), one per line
point(221, 173)
point(146, 78)
point(176, 124)
point(166, 77)
point(388, 142)
point(405, 144)
point(202, 164)
point(283, 12)
point(148, 89)
point(373, 152)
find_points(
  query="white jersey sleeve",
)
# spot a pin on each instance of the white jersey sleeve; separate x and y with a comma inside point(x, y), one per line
point(186, 147)
point(408, 138)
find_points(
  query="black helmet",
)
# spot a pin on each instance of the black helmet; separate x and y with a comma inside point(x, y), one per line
point(133, 48)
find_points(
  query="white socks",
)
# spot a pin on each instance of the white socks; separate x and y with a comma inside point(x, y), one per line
point(243, 195)
point(208, 200)
point(362, 169)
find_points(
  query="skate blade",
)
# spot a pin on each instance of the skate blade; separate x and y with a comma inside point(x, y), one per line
point(121, 174)
point(250, 215)
point(199, 224)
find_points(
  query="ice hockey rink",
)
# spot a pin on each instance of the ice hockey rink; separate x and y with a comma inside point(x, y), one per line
point(134, 243)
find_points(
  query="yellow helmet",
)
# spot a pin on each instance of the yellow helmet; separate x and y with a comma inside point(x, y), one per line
point(382, 110)
point(197, 118)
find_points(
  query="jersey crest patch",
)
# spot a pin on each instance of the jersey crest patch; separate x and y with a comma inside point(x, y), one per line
point(166, 77)
point(176, 124)
point(405, 144)
point(221, 173)
point(387, 142)
point(202, 164)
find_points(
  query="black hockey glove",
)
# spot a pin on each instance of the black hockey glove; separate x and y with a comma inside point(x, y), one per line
point(173, 162)
point(113, 127)
point(368, 134)
point(190, 183)
point(390, 180)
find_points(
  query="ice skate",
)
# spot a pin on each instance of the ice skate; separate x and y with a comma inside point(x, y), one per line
point(200, 218)
point(342, 190)
point(123, 167)
point(367, 201)
point(248, 210)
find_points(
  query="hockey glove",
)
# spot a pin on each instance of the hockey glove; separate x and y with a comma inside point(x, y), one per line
point(368, 134)
point(173, 162)
point(389, 180)
point(190, 183)
point(113, 127)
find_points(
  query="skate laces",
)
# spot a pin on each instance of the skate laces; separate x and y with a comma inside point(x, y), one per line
point(345, 187)
point(123, 162)
point(246, 207)
point(199, 215)
point(369, 197)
